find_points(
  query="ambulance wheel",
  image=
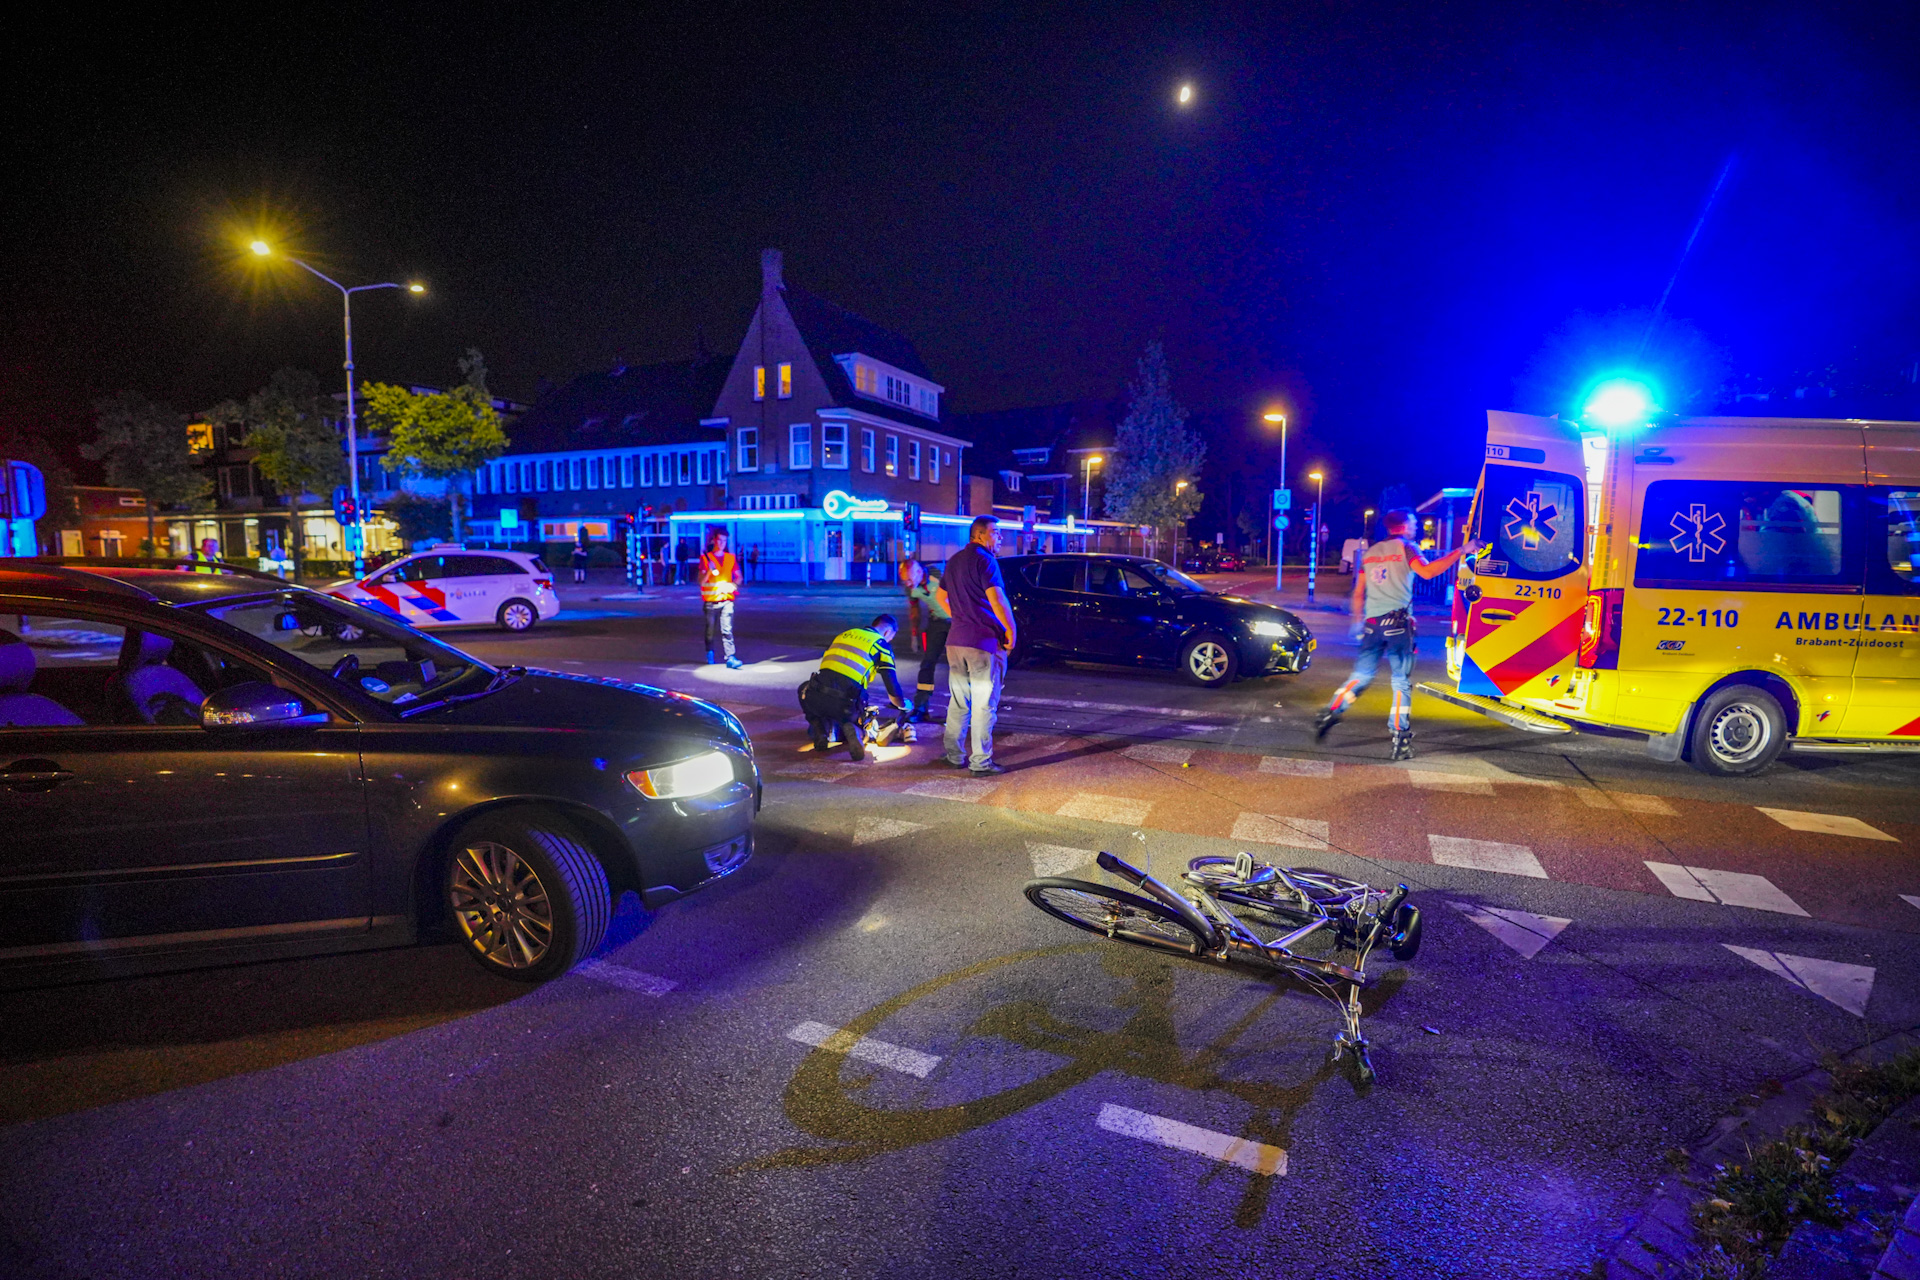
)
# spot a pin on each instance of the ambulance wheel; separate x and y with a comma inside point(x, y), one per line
point(1209, 660)
point(1739, 730)
point(517, 615)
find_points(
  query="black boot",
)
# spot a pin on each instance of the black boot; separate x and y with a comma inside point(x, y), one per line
point(1402, 744)
point(1325, 721)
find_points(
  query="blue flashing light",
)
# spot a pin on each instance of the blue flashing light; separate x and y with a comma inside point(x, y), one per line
point(1618, 403)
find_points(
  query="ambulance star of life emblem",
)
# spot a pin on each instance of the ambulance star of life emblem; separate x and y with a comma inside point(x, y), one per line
point(1698, 533)
point(1531, 520)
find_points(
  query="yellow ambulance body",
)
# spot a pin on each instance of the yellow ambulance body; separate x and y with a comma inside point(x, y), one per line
point(1727, 586)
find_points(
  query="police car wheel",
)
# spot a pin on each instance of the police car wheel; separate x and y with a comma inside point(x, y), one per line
point(517, 615)
point(1209, 660)
point(1739, 730)
point(350, 634)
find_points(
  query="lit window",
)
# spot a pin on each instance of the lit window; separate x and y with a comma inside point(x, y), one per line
point(893, 455)
point(706, 466)
point(833, 445)
point(866, 447)
point(786, 381)
point(759, 382)
point(913, 459)
point(933, 466)
point(799, 446)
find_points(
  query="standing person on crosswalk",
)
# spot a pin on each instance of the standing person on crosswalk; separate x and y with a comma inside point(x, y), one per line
point(923, 590)
point(1383, 623)
point(719, 587)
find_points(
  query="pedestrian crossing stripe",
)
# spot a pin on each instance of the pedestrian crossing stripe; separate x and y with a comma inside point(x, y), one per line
point(1849, 986)
point(1524, 931)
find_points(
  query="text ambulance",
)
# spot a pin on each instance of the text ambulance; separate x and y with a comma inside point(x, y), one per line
point(1723, 585)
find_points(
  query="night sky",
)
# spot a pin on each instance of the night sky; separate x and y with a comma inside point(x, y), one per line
point(1390, 219)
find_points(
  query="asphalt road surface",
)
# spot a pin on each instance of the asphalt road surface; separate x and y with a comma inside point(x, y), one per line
point(865, 1054)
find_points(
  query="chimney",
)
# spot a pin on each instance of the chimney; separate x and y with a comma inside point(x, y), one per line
point(770, 270)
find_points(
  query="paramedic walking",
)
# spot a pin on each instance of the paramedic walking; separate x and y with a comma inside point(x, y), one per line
point(1383, 621)
point(923, 589)
point(980, 636)
point(719, 585)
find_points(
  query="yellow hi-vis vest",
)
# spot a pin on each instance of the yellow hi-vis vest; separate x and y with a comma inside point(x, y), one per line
point(716, 577)
point(857, 654)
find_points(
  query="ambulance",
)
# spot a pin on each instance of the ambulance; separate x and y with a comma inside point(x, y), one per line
point(450, 586)
point(1728, 587)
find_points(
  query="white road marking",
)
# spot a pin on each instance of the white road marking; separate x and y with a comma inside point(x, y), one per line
point(1155, 753)
point(1178, 712)
point(1847, 985)
point(1734, 888)
point(824, 770)
point(969, 790)
point(618, 975)
point(892, 1056)
point(1524, 931)
point(1293, 768)
point(1255, 1157)
point(1594, 798)
point(1123, 810)
point(1057, 859)
point(1486, 855)
point(1461, 782)
point(1826, 824)
point(868, 830)
point(1269, 828)
point(1910, 900)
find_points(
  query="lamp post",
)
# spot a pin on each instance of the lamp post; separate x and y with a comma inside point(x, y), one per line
point(263, 249)
point(1313, 531)
point(1086, 492)
point(1179, 487)
point(1274, 540)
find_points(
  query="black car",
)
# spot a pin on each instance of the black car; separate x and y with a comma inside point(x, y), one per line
point(203, 767)
point(1210, 559)
point(1132, 610)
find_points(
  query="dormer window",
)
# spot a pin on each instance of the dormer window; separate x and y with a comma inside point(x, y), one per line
point(1011, 481)
point(1032, 457)
point(786, 382)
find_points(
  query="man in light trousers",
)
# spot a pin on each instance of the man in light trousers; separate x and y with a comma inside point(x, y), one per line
point(981, 636)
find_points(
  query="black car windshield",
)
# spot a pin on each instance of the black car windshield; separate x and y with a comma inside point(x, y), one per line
point(1171, 578)
point(381, 657)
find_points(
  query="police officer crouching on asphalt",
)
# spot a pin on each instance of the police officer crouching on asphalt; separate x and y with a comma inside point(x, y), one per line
point(835, 696)
point(1383, 621)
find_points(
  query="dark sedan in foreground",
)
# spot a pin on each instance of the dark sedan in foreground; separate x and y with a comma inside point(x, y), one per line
point(1126, 609)
point(210, 767)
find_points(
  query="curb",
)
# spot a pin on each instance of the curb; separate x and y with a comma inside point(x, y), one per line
point(1660, 1241)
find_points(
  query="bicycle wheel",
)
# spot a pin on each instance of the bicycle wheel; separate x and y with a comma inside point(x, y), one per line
point(1111, 913)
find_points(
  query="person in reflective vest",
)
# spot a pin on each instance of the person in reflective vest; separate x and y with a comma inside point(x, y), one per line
point(923, 591)
point(834, 698)
point(719, 585)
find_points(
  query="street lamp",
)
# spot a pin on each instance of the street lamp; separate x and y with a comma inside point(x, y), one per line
point(1274, 540)
point(262, 249)
point(1086, 487)
point(1313, 531)
point(1179, 487)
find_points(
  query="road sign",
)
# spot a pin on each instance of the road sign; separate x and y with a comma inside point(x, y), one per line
point(1283, 499)
point(509, 517)
point(1279, 522)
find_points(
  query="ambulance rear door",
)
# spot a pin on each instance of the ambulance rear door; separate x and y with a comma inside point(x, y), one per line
point(1528, 588)
point(1886, 667)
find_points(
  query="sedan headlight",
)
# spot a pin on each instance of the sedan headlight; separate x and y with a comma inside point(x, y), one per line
point(708, 771)
point(1270, 629)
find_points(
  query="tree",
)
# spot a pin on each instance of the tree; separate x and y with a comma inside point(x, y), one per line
point(416, 518)
point(443, 435)
point(294, 445)
point(142, 445)
point(1153, 452)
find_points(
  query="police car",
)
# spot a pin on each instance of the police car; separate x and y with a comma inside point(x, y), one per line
point(449, 586)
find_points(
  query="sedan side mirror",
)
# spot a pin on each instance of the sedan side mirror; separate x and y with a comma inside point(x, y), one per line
point(257, 705)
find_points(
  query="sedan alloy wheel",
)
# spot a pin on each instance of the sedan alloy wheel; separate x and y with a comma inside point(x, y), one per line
point(503, 908)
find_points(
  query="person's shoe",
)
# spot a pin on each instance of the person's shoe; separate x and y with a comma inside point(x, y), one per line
point(1325, 721)
point(885, 735)
point(855, 751)
point(988, 771)
point(734, 664)
point(709, 657)
point(1402, 744)
point(918, 715)
point(907, 734)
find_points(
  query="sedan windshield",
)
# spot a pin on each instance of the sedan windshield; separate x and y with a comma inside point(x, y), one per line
point(381, 657)
point(1172, 579)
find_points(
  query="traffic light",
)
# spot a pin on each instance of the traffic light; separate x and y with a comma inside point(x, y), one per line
point(910, 517)
point(344, 508)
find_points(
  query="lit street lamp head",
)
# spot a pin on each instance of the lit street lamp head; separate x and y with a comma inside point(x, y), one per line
point(261, 248)
point(1185, 96)
point(416, 287)
point(1275, 416)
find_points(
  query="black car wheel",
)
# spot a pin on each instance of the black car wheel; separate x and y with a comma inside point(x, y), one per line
point(517, 615)
point(530, 901)
point(1209, 659)
point(1739, 730)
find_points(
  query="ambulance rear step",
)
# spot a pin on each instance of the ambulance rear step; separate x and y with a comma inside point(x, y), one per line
point(1521, 718)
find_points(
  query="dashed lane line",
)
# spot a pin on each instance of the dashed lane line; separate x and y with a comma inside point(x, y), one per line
point(618, 975)
point(968, 790)
point(1289, 766)
point(871, 830)
point(1626, 801)
point(1733, 888)
point(1826, 824)
point(1180, 713)
point(1486, 855)
point(1255, 1157)
point(1158, 753)
point(1269, 828)
point(892, 1056)
point(1122, 810)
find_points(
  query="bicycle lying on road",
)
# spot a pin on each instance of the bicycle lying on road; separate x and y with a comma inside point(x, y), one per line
point(1342, 919)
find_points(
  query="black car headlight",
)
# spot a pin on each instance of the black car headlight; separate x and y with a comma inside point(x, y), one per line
point(695, 776)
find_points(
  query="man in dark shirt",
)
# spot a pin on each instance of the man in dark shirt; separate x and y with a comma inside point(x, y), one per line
point(981, 636)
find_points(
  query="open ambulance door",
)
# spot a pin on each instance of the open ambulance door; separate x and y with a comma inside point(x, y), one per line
point(1520, 604)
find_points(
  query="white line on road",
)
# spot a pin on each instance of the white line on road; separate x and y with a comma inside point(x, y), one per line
point(1466, 784)
point(1826, 824)
point(1156, 753)
point(892, 1056)
point(1123, 810)
point(1255, 1157)
point(970, 790)
point(870, 830)
point(618, 975)
point(1486, 855)
point(1294, 768)
point(1076, 705)
point(1057, 859)
point(1594, 798)
point(1733, 888)
point(1270, 828)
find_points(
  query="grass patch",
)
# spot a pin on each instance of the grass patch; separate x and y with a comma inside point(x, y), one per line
point(1755, 1206)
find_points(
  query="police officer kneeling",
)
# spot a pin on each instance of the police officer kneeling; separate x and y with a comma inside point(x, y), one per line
point(835, 697)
